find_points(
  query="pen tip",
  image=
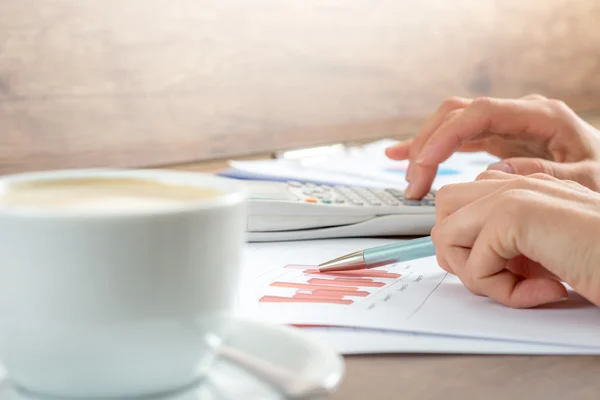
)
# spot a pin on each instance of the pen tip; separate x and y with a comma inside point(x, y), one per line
point(344, 263)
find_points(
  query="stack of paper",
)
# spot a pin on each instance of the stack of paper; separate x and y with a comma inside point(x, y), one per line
point(365, 166)
point(405, 307)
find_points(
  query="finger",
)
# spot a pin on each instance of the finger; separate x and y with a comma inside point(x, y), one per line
point(487, 271)
point(399, 151)
point(453, 259)
point(419, 181)
point(448, 106)
point(438, 253)
point(421, 177)
point(583, 173)
point(528, 166)
point(500, 116)
point(457, 261)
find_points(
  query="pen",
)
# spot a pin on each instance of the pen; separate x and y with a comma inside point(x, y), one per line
point(381, 255)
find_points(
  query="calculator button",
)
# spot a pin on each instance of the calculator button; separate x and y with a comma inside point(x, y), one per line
point(340, 201)
point(398, 195)
point(358, 203)
point(429, 202)
point(395, 192)
point(407, 202)
point(295, 184)
point(327, 201)
point(310, 200)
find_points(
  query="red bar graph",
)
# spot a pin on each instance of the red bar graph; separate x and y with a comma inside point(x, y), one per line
point(308, 286)
point(362, 273)
point(279, 299)
point(342, 288)
point(346, 282)
point(320, 292)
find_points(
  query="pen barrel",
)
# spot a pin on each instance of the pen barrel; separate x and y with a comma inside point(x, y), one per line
point(399, 252)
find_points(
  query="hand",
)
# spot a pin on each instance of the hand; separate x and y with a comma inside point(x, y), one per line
point(515, 239)
point(532, 134)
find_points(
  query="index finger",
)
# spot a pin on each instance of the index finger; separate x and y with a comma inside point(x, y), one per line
point(520, 117)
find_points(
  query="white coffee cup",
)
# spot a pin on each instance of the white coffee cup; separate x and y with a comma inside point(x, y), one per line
point(114, 296)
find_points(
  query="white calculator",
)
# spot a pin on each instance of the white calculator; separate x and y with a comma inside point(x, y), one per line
point(280, 211)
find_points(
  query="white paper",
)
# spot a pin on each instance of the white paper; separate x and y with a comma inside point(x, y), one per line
point(295, 170)
point(353, 341)
point(423, 299)
point(366, 166)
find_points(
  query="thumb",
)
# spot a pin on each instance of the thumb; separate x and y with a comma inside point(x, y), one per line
point(528, 166)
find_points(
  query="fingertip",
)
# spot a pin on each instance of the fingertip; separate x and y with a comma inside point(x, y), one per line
point(537, 292)
point(420, 183)
point(415, 191)
point(398, 152)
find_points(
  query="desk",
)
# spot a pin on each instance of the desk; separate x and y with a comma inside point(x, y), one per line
point(448, 377)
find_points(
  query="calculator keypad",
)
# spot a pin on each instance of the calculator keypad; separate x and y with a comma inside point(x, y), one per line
point(357, 196)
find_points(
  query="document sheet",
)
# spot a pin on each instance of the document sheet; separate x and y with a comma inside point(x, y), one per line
point(281, 284)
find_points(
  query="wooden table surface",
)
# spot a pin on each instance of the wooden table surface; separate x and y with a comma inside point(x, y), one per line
point(465, 377)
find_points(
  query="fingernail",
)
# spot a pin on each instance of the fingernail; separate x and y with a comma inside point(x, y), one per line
point(501, 166)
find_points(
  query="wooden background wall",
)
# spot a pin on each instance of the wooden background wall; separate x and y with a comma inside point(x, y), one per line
point(88, 83)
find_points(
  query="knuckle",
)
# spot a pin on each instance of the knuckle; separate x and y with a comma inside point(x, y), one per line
point(467, 277)
point(535, 96)
point(527, 183)
point(559, 108)
point(439, 234)
point(489, 175)
point(558, 105)
point(541, 176)
point(511, 204)
point(537, 168)
point(572, 183)
point(514, 202)
point(443, 193)
point(452, 103)
point(483, 103)
point(443, 263)
point(434, 233)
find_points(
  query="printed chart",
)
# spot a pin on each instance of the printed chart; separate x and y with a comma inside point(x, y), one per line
point(298, 293)
point(305, 284)
point(281, 284)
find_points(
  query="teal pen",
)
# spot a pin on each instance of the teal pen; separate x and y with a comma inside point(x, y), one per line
point(383, 255)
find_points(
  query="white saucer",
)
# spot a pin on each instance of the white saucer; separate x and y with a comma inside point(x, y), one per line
point(287, 348)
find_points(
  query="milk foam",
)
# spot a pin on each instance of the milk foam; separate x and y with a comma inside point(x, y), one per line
point(101, 195)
